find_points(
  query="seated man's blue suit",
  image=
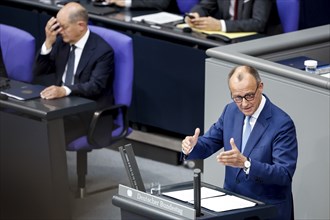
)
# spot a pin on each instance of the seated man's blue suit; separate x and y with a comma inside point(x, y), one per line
point(272, 148)
point(94, 74)
point(93, 78)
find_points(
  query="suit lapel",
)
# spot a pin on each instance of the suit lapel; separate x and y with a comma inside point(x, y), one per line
point(63, 54)
point(240, 9)
point(225, 8)
point(258, 129)
point(86, 54)
point(238, 123)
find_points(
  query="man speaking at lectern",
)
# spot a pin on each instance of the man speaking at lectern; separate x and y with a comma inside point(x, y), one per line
point(262, 169)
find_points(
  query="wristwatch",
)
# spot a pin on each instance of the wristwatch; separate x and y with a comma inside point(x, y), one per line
point(247, 165)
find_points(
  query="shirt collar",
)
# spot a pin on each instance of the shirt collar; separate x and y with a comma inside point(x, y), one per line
point(256, 114)
point(81, 43)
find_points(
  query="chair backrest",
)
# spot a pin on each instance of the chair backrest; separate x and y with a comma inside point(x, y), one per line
point(123, 49)
point(288, 11)
point(18, 52)
point(185, 5)
point(122, 84)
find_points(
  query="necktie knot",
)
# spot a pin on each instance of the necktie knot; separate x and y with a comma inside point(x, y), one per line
point(73, 47)
point(247, 119)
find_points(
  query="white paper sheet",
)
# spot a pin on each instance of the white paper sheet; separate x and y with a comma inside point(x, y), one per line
point(188, 194)
point(225, 203)
point(159, 18)
point(327, 75)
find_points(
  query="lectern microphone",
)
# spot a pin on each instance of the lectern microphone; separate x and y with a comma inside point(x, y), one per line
point(197, 191)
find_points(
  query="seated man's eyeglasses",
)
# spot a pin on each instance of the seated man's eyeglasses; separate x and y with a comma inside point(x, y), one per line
point(247, 97)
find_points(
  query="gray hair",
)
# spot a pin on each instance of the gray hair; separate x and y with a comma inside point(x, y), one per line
point(80, 14)
point(247, 69)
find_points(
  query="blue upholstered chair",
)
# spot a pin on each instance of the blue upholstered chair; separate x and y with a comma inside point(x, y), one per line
point(101, 133)
point(18, 52)
point(185, 5)
point(288, 11)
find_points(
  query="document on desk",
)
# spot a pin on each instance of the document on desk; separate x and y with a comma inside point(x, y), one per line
point(231, 35)
point(187, 195)
point(212, 199)
point(158, 18)
point(23, 91)
point(226, 203)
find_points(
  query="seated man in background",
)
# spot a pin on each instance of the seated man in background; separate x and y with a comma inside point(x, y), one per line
point(85, 70)
point(259, 141)
point(230, 15)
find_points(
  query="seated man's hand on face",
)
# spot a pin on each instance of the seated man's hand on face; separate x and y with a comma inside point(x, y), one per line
point(53, 92)
point(52, 29)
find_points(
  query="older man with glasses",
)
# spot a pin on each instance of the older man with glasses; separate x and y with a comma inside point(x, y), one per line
point(262, 169)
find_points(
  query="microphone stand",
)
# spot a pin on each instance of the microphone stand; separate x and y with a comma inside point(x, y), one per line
point(197, 191)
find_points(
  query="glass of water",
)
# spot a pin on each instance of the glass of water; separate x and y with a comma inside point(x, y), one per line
point(155, 188)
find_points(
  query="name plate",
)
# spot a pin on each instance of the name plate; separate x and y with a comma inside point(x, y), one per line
point(157, 202)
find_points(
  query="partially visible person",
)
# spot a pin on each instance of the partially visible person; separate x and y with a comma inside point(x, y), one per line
point(92, 70)
point(231, 15)
point(263, 168)
point(156, 4)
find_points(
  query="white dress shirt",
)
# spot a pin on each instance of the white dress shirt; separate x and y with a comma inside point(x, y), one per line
point(256, 114)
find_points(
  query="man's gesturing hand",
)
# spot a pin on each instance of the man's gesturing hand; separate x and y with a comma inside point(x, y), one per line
point(189, 142)
point(232, 157)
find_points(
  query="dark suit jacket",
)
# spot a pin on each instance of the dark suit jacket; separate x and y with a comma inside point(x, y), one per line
point(272, 147)
point(252, 14)
point(157, 4)
point(94, 75)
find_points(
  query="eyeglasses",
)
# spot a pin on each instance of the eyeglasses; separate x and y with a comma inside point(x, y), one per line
point(247, 97)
